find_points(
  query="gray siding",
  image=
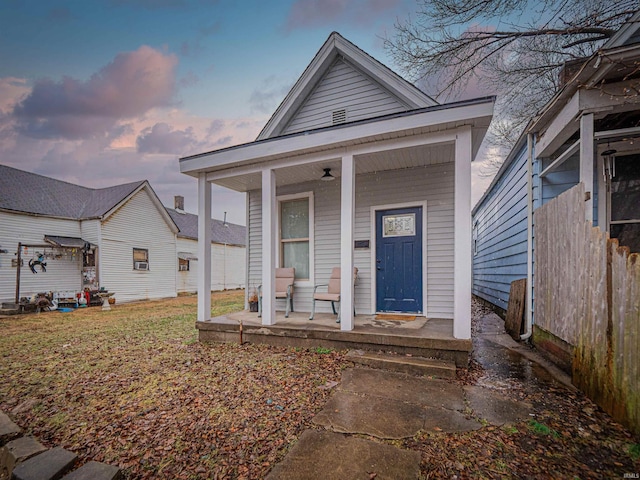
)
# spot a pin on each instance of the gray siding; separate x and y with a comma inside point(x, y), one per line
point(139, 224)
point(433, 184)
point(343, 87)
point(61, 274)
point(500, 230)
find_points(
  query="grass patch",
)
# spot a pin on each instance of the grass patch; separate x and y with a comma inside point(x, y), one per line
point(323, 350)
point(634, 451)
point(542, 429)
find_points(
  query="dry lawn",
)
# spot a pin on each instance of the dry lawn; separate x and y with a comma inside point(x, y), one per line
point(132, 387)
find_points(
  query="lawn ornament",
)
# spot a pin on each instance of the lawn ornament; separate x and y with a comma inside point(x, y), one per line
point(40, 261)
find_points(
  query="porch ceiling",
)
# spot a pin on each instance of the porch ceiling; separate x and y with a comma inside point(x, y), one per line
point(397, 159)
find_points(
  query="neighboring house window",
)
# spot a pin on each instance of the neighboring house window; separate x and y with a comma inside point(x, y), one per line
point(475, 238)
point(624, 201)
point(140, 259)
point(183, 265)
point(296, 233)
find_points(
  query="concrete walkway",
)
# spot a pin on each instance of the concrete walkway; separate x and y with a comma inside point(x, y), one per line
point(371, 407)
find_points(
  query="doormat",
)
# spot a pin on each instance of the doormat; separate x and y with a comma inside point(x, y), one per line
point(395, 316)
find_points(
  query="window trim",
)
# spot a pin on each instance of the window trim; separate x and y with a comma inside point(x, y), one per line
point(133, 252)
point(188, 265)
point(475, 238)
point(287, 198)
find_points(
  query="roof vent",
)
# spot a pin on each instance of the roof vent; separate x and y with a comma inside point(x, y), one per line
point(339, 116)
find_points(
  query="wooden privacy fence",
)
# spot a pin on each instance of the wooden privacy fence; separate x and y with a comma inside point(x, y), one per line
point(587, 292)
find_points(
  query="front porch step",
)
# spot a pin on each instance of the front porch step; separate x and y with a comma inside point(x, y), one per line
point(411, 365)
point(308, 335)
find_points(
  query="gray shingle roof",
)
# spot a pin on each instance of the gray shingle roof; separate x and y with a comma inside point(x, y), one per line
point(27, 192)
point(230, 234)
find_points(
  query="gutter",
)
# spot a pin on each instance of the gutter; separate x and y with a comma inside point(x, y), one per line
point(529, 295)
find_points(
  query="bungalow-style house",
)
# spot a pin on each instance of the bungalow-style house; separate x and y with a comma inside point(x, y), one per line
point(398, 208)
point(120, 238)
point(564, 213)
point(228, 251)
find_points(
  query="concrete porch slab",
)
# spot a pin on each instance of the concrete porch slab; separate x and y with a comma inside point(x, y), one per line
point(429, 338)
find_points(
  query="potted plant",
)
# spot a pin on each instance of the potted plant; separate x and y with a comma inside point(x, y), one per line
point(253, 301)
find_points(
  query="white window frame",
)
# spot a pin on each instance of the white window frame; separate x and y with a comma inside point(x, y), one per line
point(187, 264)
point(298, 196)
point(475, 238)
point(146, 250)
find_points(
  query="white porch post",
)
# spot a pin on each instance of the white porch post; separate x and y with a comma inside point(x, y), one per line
point(347, 207)
point(204, 248)
point(586, 162)
point(462, 236)
point(269, 234)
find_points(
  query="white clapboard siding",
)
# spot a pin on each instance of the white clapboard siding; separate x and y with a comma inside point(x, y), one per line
point(90, 231)
point(433, 184)
point(343, 87)
point(500, 224)
point(227, 267)
point(138, 224)
point(61, 274)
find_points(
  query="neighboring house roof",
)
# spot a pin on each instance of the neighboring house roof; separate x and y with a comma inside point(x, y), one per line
point(33, 194)
point(604, 65)
point(222, 233)
point(337, 47)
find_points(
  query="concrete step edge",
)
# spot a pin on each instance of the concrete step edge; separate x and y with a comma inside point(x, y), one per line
point(407, 364)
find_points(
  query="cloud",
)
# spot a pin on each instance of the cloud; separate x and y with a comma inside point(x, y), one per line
point(314, 13)
point(12, 90)
point(266, 98)
point(129, 86)
point(162, 138)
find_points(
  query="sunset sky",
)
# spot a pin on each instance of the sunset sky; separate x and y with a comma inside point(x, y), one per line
point(104, 92)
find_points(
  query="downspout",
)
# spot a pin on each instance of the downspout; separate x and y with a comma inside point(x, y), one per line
point(529, 310)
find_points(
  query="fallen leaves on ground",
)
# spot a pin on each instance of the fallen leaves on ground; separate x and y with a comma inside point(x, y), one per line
point(133, 388)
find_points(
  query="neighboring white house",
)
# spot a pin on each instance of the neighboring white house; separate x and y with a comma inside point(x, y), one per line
point(120, 238)
point(228, 252)
point(399, 210)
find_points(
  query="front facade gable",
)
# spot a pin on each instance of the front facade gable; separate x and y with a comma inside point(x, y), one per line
point(341, 76)
point(408, 169)
point(155, 201)
point(137, 255)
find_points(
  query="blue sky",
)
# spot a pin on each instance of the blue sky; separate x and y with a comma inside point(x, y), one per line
point(104, 92)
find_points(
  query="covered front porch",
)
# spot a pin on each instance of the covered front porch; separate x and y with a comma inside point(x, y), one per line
point(410, 335)
point(418, 160)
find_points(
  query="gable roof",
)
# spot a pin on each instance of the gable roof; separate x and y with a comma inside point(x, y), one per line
point(231, 234)
point(337, 47)
point(30, 193)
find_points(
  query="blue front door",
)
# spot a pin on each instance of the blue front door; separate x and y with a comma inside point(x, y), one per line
point(399, 260)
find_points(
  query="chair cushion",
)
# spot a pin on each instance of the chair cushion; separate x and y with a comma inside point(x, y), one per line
point(331, 297)
point(284, 278)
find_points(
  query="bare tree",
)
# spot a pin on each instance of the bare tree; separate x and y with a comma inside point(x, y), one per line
point(513, 48)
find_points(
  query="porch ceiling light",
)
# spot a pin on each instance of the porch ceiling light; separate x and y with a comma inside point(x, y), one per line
point(327, 177)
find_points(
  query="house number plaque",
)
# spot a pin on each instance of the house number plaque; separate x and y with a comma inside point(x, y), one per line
point(399, 225)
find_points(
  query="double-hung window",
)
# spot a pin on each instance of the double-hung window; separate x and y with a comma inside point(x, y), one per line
point(296, 233)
